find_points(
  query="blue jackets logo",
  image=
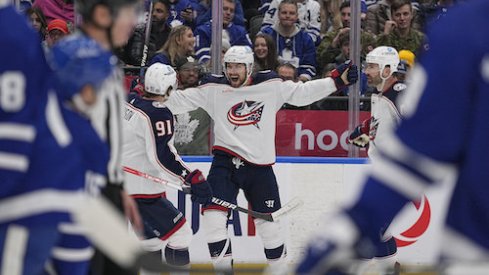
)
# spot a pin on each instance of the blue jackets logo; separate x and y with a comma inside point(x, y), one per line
point(246, 113)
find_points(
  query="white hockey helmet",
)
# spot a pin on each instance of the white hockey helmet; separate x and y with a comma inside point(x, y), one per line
point(239, 54)
point(159, 78)
point(384, 56)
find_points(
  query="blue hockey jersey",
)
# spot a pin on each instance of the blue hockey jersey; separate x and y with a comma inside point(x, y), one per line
point(445, 132)
point(203, 35)
point(40, 159)
point(297, 50)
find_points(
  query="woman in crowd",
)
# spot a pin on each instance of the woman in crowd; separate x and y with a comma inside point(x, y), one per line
point(38, 21)
point(180, 43)
point(265, 52)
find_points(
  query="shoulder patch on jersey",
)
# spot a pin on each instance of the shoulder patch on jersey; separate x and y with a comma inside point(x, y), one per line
point(399, 87)
point(158, 104)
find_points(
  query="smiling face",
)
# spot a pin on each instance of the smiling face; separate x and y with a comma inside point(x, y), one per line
point(187, 41)
point(261, 48)
point(403, 16)
point(236, 74)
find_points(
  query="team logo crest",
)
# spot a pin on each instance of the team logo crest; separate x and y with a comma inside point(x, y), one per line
point(246, 113)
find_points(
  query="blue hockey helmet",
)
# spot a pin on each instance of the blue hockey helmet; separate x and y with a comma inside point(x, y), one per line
point(80, 62)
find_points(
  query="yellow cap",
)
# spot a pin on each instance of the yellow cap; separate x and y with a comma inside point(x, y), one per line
point(407, 56)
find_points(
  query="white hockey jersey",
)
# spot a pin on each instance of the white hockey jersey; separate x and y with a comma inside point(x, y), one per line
point(245, 118)
point(385, 115)
point(309, 17)
point(148, 146)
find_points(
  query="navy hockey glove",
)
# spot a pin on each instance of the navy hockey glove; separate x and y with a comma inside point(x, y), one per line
point(201, 190)
point(345, 74)
point(360, 136)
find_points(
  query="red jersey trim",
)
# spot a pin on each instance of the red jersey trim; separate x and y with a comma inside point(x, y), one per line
point(175, 229)
point(148, 196)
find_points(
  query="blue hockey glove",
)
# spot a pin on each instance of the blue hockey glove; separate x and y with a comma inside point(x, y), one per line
point(201, 190)
point(335, 249)
point(345, 74)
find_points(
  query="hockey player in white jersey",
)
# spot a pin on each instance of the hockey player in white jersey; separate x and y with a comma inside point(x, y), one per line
point(244, 150)
point(380, 69)
point(148, 147)
point(443, 135)
point(309, 17)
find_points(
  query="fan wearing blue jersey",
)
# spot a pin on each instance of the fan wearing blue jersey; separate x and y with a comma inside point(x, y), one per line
point(244, 150)
point(149, 127)
point(443, 136)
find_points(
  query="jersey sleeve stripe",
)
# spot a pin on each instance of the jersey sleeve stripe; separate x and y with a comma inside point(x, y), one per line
point(394, 149)
point(56, 123)
point(14, 162)
point(17, 132)
point(398, 179)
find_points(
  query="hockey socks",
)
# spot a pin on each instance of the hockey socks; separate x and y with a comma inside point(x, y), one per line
point(221, 254)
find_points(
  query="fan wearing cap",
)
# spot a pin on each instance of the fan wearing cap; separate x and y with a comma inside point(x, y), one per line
point(57, 29)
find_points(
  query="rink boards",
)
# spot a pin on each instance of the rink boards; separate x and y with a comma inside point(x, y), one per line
point(324, 184)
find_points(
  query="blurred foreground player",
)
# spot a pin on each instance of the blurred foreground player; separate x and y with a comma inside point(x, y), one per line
point(444, 134)
point(106, 24)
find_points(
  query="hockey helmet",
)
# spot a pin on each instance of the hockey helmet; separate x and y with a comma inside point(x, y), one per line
point(384, 56)
point(159, 78)
point(239, 54)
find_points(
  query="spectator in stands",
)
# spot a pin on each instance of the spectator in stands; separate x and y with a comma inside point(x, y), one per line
point(57, 9)
point(192, 129)
point(180, 43)
point(57, 29)
point(237, 35)
point(330, 47)
point(287, 71)
point(294, 45)
point(38, 21)
point(308, 15)
point(398, 32)
point(265, 53)
point(181, 13)
point(160, 31)
point(330, 16)
point(238, 18)
point(379, 13)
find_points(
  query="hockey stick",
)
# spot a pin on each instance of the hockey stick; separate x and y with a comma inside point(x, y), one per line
point(147, 34)
point(291, 205)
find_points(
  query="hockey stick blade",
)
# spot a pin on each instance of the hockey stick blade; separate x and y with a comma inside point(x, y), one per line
point(264, 216)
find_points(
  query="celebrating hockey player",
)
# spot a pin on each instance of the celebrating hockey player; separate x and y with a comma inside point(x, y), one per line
point(443, 135)
point(244, 149)
point(381, 66)
point(148, 147)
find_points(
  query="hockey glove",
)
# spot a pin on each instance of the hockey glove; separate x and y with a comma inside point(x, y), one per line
point(345, 74)
point(361, 135)
point(335, 248)
point(201, 190)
